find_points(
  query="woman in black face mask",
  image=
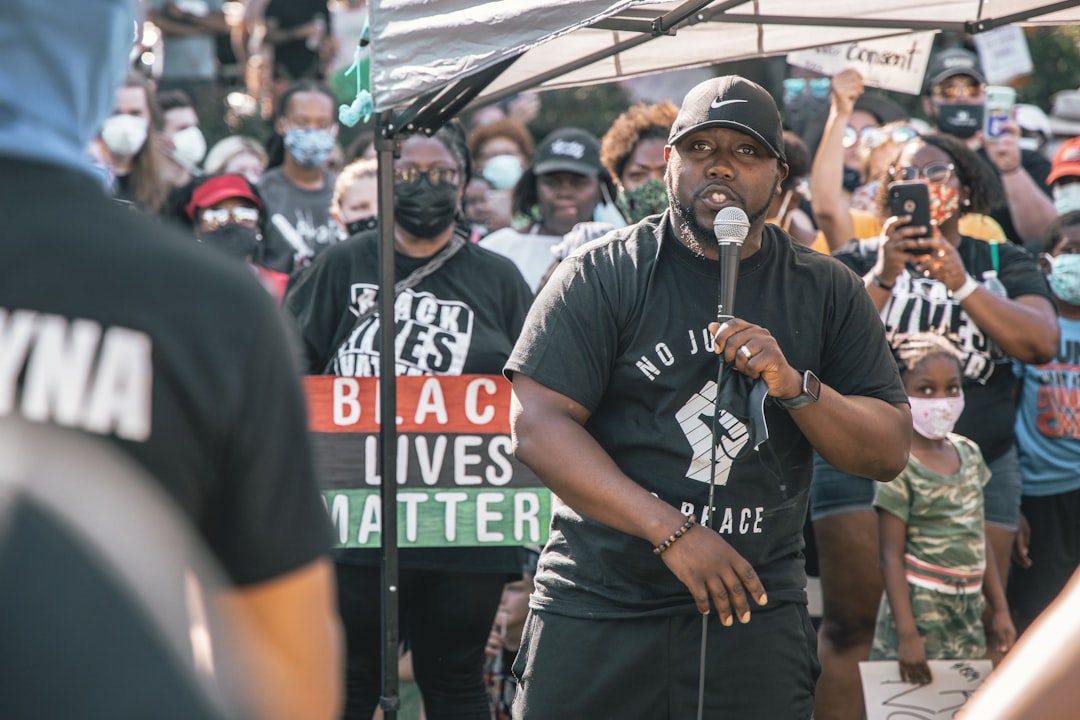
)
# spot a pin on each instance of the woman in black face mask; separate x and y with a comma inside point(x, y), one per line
point(226, 213)
point(459, 309)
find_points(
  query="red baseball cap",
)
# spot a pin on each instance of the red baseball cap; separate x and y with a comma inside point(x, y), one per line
point(218, 188)
point(1066, 161)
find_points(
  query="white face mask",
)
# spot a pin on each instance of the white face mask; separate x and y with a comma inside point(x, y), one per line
point(124, 135)
point(189, 147)
point(1067, 197)
point(935, 418)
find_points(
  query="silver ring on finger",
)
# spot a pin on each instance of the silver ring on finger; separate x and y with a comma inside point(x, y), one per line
point(745, 352)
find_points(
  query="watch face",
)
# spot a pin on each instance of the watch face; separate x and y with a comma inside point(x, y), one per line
point(811, 384)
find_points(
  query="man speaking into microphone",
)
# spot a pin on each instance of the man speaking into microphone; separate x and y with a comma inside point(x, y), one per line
point(622, 407)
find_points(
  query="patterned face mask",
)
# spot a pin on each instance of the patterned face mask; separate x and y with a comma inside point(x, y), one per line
point(935, 418)
point(310, 147)
point(944, 202)
point(646, 199)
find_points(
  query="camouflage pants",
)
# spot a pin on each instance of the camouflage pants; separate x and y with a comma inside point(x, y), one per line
point(950, 625)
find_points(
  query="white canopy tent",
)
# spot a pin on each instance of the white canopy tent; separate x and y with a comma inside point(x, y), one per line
point(423, 47)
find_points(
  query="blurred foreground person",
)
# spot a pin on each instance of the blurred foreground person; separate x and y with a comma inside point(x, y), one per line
point(1038, 678)
point(116, 326)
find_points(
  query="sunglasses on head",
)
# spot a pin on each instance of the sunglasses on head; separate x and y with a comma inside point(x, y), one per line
point(875, 137)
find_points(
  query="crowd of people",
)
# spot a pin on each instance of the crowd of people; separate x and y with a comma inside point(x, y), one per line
point(915, 395)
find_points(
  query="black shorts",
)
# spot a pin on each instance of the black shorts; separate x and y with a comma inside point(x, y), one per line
point(1054, 552)
point(648, 668)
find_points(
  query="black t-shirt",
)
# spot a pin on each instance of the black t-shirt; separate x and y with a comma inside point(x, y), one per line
point(920, 303)
point(621, 329)
point(461, 319)
point(116, 325)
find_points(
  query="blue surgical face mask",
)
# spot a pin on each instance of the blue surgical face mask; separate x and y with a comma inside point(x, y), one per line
point(503, 171)
point(1064, 277)
point(310, 147)
point(1067, 197)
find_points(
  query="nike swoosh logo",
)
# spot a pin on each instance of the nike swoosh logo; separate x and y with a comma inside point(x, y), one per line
point(721, 103)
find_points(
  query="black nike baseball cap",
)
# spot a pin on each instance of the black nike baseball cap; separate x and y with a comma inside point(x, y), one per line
point(731, 102)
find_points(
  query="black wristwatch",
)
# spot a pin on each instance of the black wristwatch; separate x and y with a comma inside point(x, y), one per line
point(811, 389)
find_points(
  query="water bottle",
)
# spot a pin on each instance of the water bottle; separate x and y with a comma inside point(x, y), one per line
point(991, 282)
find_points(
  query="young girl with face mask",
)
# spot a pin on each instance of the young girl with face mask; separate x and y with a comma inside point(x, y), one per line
point(937, 564)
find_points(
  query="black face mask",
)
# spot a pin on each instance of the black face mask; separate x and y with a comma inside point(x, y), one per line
point(961, 119)
point(233, 240)
point(423, 208)
point(358, 226)
point(852, 179)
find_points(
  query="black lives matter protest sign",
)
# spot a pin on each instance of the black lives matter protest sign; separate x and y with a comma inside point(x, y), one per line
point(458, 482)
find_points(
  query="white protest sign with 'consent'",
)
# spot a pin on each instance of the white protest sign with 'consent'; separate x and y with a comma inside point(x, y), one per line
point(897, 63)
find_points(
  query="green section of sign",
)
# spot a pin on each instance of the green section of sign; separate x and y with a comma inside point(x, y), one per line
point(444, 517)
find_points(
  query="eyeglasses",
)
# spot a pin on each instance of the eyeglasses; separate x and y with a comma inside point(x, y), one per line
point(959, 91)
point(214, 218)
point(408, 174)
point(935, 172)
point(874, 137)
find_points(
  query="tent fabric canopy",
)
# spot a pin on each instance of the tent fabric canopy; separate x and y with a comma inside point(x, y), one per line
point(420, 47)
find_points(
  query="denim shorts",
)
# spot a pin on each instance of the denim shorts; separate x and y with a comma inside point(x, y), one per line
point(833, 492)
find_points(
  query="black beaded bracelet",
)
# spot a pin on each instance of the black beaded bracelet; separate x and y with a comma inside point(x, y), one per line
point(659, 549)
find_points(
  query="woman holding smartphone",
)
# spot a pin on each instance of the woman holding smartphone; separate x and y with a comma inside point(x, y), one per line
point(931, 278)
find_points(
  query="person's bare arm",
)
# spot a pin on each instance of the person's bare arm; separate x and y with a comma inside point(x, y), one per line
point(1000, 631)
point(296, 651)
point(1032, 209)
point(911, 654)
point(172, 21)
point(1024, 327)
point(860, 435)
point(550, 438)
point(828, 199)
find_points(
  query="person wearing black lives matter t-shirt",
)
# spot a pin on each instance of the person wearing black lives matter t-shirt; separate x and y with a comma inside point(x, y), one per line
point(458, 310)
point(615, 385)
point(114, 325)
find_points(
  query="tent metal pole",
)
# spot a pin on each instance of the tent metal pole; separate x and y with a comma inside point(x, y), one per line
point(387, 148)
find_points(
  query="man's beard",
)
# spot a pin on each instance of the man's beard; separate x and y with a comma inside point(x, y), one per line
point(693, 235)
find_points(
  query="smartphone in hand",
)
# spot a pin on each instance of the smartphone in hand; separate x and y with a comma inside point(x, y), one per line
point(911, 197)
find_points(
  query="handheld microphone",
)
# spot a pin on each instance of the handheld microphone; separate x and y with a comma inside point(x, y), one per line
point(730, 227)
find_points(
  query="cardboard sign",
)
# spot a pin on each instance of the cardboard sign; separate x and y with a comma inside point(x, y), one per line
point(1003, 54)
point(458, 482)
point(897, 63)
point(887, 698)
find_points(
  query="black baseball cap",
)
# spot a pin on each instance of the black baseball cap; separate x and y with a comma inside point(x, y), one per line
point(951, 62)
point(731, 102)
point(568, 149)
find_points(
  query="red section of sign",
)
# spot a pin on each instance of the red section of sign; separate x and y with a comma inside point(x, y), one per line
point(474, 404)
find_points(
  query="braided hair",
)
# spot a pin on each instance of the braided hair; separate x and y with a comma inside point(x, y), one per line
point(910, 349)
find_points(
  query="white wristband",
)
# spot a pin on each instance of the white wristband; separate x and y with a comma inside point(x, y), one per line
point(961, 293)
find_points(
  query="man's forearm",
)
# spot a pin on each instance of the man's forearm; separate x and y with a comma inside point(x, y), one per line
point(860, 435)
